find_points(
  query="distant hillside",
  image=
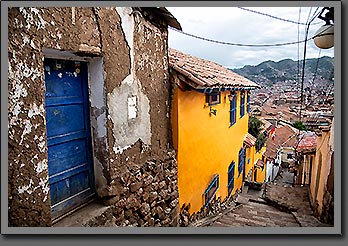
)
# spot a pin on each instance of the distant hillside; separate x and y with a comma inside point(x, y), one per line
point(270, 72)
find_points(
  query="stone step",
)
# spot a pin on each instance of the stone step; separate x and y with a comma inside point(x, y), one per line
point(94, 214)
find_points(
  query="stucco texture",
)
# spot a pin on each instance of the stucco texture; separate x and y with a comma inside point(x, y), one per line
point(205, 144)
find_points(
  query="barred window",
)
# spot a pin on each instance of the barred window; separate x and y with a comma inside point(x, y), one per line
point(213, 98)
point(241, 160)
point(233, 109)
point(210, 192)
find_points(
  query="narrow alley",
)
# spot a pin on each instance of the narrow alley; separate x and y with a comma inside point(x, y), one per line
point(278, 204)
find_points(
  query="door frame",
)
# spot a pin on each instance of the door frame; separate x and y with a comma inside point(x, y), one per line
point(66, 55)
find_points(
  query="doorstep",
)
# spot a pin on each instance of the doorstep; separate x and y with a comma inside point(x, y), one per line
point(93, 214)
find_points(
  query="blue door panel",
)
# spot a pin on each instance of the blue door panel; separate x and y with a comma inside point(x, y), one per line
point(52, 101)
point(79, 182)
point(66, 156)
point(69, 187)
point(65, 138)
point(66, 174)
point(63, 85)
point(70, 164)
point(59, 191)
point(64, 119)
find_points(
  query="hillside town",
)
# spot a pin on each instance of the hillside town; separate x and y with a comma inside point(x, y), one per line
point(110, 127)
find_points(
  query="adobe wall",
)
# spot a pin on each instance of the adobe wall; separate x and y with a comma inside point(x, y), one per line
point(322, 197)
point(127, 59)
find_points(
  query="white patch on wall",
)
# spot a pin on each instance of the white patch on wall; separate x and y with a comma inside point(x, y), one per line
point(25, 40)
point(25, 188)
point(27, 129)
point(29, 15)
point(127, 132)
point(132, 107)
point(129, 107)
point(19, 91)
point(127, 23)
point(35, 110)
point(17, 109)
point(41, 166)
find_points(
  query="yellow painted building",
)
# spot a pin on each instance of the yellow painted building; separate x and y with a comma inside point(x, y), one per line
point(209, 123)
point(255, 167)
point(249, 142)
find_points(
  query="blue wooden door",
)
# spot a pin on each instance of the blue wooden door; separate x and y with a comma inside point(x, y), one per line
point(70, 165)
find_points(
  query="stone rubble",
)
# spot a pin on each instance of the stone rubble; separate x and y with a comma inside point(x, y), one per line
point(147, 197)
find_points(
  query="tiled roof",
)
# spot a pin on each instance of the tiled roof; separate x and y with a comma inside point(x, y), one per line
point(266, 124)
point(307, 142)
point(285, 136)
point(204, 73)
point(249, 140)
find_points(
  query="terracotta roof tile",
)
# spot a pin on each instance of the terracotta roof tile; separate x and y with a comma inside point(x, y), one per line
point(249, 140)
point(285, 136)
point(307, 142)
point(205, 73)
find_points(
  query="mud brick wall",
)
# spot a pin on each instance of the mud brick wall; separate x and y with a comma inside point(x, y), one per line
point(127, 58)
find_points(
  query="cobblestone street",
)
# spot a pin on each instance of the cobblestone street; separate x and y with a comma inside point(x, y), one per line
point(277, 204)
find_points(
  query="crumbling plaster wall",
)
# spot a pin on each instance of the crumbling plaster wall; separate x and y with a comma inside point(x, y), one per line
point(31, 30)
point(133, 56)
point(143, 188)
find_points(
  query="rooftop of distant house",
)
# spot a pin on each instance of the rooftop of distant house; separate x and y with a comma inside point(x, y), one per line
point(285, 136)
point(249, 140)
point(201, 73)
point(307, 142)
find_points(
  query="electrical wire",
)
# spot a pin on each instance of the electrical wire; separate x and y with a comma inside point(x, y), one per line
point(277, 18)
point(246, 45)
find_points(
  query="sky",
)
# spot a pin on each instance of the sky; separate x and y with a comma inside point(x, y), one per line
point(235, 25)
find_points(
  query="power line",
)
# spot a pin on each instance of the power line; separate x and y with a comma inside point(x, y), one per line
point(278, 18)
point(246, 45)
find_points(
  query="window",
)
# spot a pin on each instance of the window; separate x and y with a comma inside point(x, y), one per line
point(213, 98)
point(241, 160)
point(233, 104)
point(242, 104)
point(231, 177)
point(210, 192)
point(248, 102)
point(289, 156)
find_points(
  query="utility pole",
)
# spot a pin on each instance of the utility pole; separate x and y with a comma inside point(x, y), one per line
point(303, 70)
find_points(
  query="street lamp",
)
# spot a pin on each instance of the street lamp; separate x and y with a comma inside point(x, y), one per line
point(324, 37)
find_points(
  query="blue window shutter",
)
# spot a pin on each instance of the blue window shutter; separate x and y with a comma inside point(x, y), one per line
point(248, 101)
point(231, 177)
point(233, 110)
point(242, 104)
point(241, 160)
